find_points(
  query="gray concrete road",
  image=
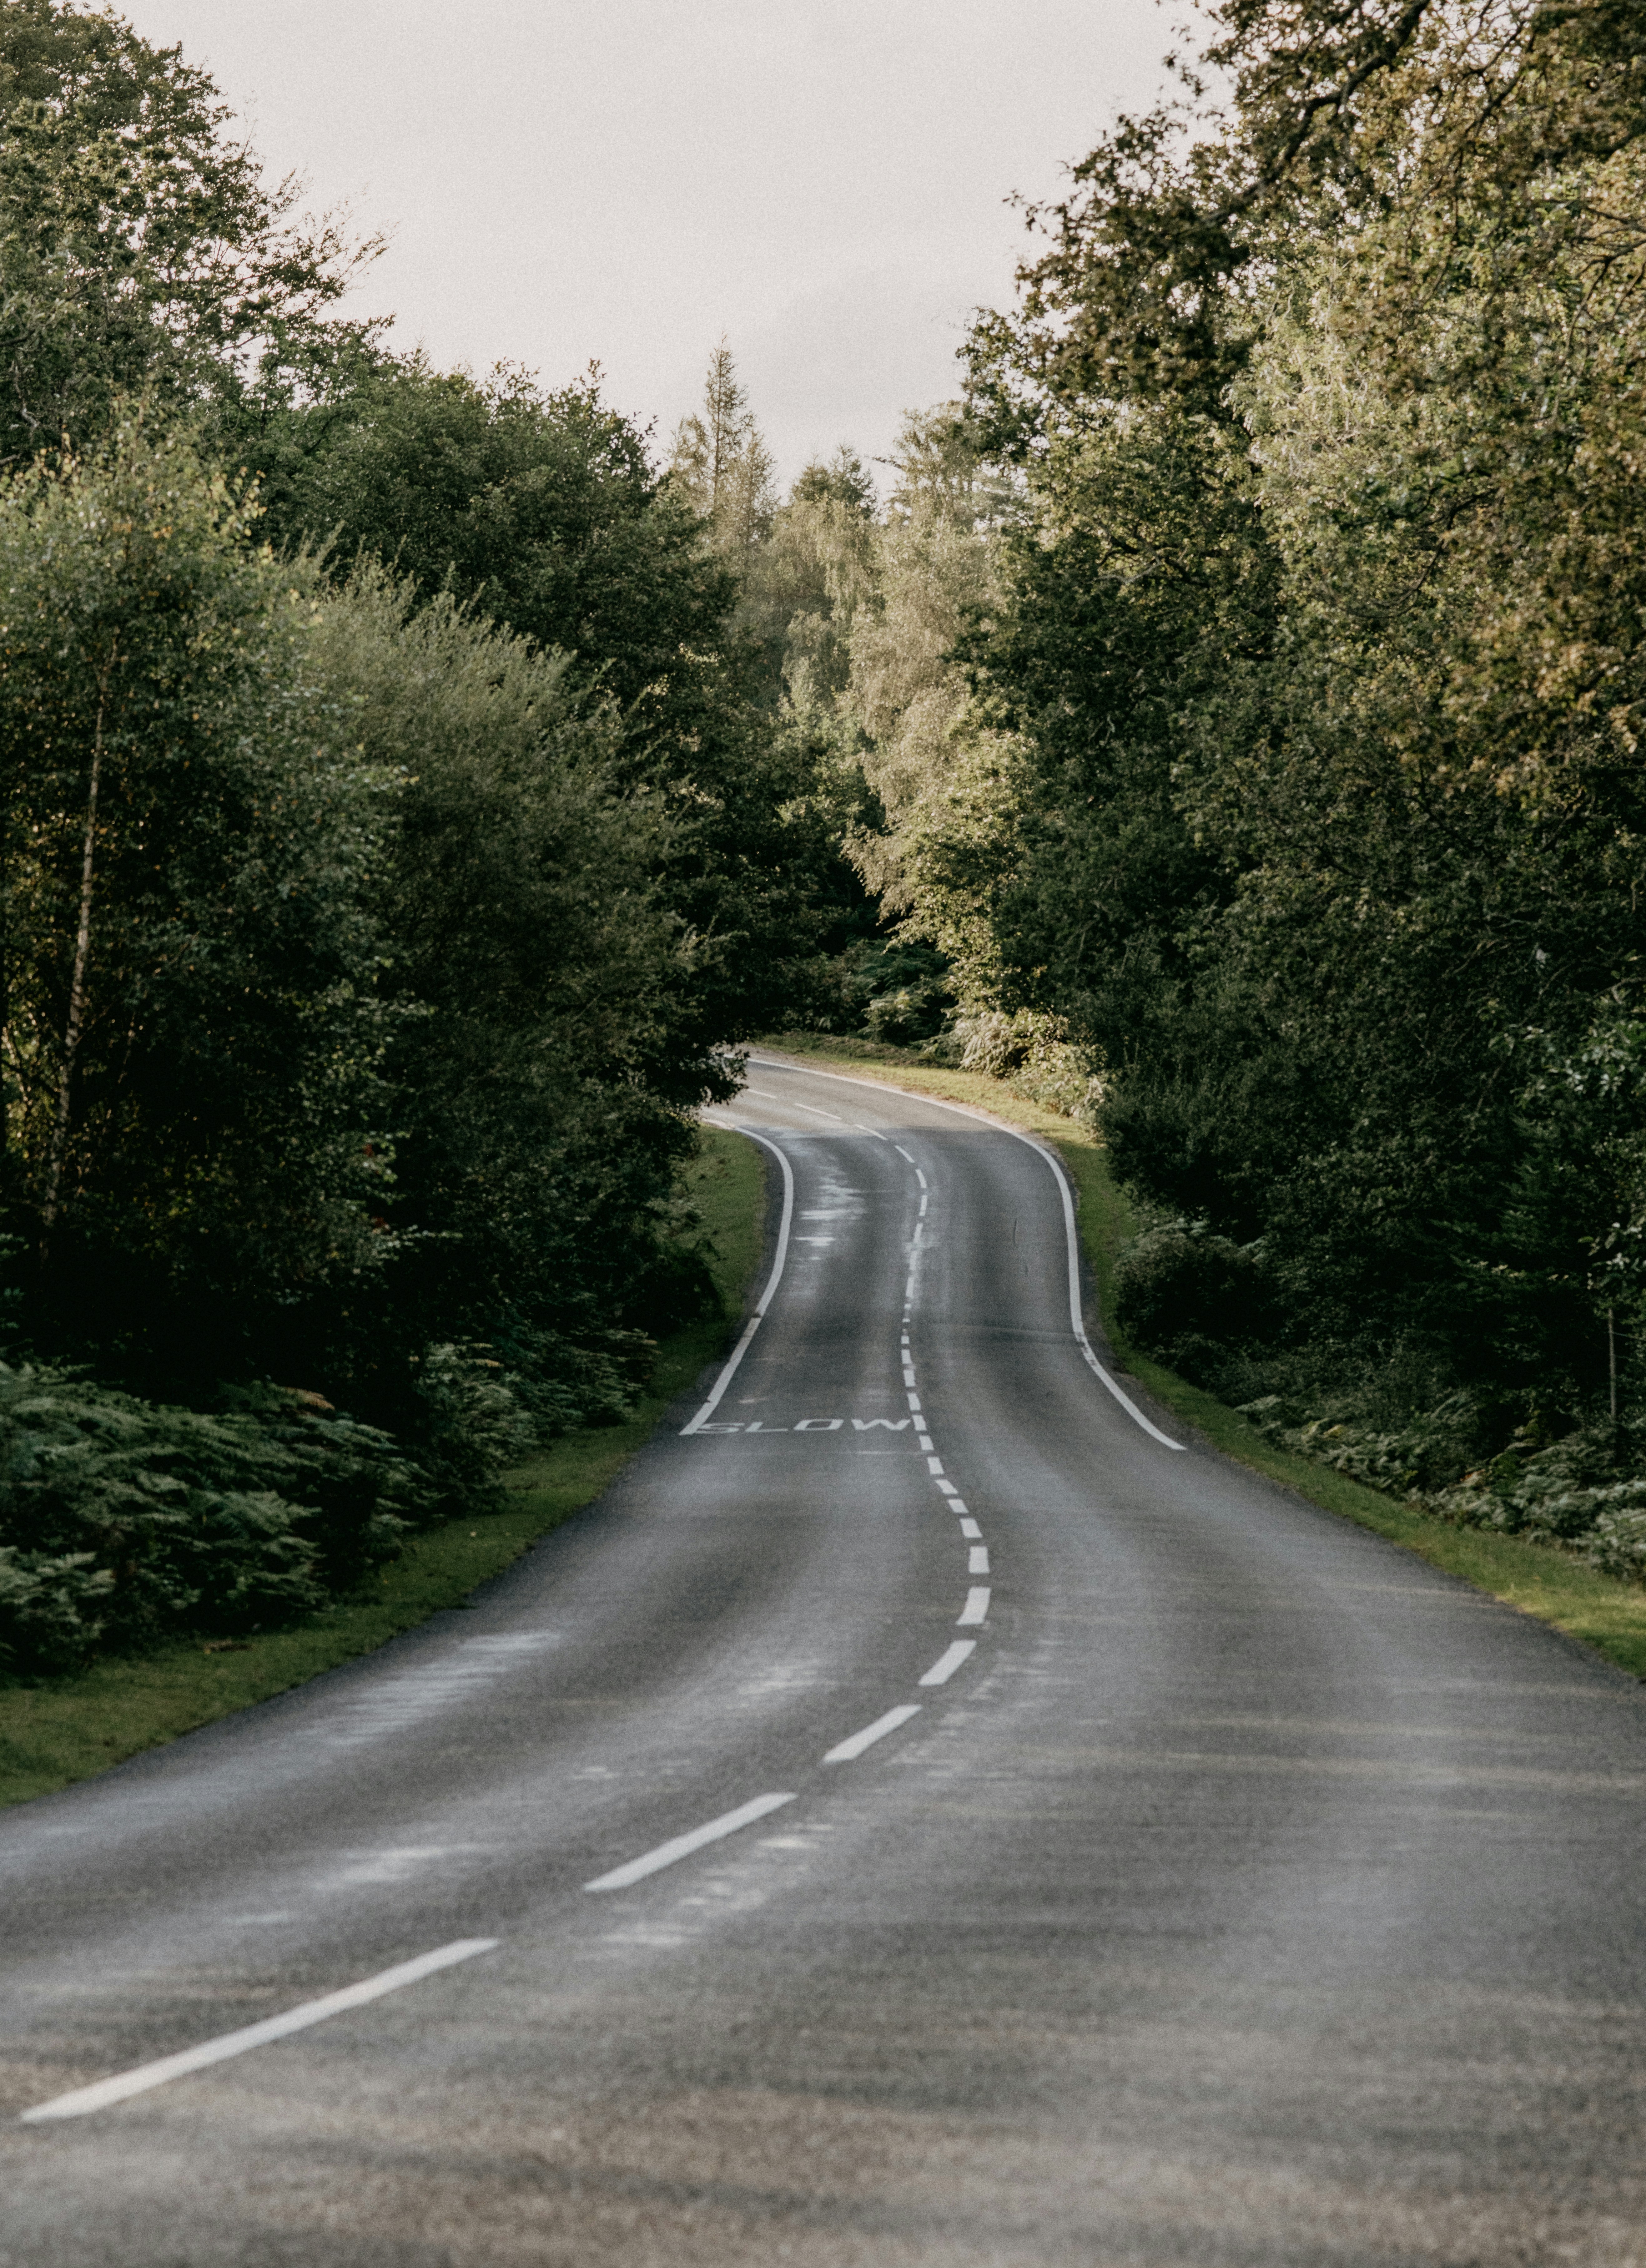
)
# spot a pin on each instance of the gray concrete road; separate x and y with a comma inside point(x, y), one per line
point(1248, 1893)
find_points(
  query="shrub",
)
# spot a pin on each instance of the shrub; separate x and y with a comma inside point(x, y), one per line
point(1191, 1298)
point(124, 1522)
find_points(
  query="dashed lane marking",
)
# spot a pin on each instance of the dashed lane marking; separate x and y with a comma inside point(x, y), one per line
point(145, 2075)
point(845, 1751)
point(666, 1854)
point(944, 1667)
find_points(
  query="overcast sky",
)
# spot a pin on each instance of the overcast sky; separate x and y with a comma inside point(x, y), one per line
point(624, 180)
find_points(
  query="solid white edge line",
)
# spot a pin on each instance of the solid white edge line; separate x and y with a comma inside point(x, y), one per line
point(944, 1667)
point(1076, 1318)
point(846, 1751)
point(975, 1610)
point(652, 1862)
point(760, 1305)
point(145, 2075)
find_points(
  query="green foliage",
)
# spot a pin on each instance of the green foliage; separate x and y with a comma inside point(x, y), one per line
point(193, 1040)
point(548, 1036)
point(540, 512)
point(720, 468)
point(141, 249)
point(805, 584)
point(123, 1522)
point(1582, 1490)
point(1190, 1296)
point(537, 508)
point(396, 840)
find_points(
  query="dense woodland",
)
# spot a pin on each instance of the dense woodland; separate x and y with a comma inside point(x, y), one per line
point(1224, 720)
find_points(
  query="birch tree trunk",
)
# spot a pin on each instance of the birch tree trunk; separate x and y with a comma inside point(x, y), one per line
point(74, 1024)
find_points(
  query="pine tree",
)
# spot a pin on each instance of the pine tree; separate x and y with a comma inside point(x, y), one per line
point(723, 466)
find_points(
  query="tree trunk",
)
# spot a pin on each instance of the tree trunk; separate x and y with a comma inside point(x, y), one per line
point(51, 1195)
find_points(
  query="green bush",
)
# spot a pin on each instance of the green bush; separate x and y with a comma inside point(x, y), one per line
point(1193, 1298)
point(124, 1522)
point(1582, 1488)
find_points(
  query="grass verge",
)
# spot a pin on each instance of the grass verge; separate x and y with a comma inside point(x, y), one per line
point(68, 1728)
point(1539, 1579)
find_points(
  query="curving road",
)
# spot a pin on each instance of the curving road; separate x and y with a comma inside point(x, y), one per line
point(916, 1816)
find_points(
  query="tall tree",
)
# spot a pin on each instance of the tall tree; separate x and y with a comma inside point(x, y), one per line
point(721, 465)
point(541, 510)
point(193, 1042)
point(1323, 652)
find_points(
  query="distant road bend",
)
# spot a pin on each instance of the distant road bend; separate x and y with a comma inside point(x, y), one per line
point(926, 1814)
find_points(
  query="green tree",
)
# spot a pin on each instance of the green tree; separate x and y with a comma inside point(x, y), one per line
point(192, 1040)
point(721, 465)
point(141, 250)
point(543, 511)
point(549, 1043)
point(803, 588)
point(1322, 646)
point(537, 508)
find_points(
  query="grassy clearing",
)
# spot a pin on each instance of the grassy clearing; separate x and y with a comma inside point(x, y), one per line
point(1537, 1578)
point(68, 1728)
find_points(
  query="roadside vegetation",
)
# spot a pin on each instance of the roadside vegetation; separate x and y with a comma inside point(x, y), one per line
point(56, 1729)
point(1539, 1574)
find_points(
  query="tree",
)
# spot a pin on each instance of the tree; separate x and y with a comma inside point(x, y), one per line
point(722, 467)
point(543, 511)
point(192, 1040)
point(1322, 646)
point(548, 1044)
point(141, 252)
point(537, 508)
point(803, 588)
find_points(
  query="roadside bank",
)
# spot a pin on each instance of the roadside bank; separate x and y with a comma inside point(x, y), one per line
point(60, 1730)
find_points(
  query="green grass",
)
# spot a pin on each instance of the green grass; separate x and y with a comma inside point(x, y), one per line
point(68, 1728)
point(1539, 1579)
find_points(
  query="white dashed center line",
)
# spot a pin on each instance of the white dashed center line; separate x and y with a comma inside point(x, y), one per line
point(652, 1862)
point(145, 2075)
point(943, 1669)
point(846, 1750)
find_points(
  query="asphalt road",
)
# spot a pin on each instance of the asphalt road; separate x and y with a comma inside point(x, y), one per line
point(1247, 1893)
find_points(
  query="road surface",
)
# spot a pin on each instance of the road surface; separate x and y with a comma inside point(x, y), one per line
point(916, 1818)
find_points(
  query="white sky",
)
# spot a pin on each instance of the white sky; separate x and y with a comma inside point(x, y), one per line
point(626, 180)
